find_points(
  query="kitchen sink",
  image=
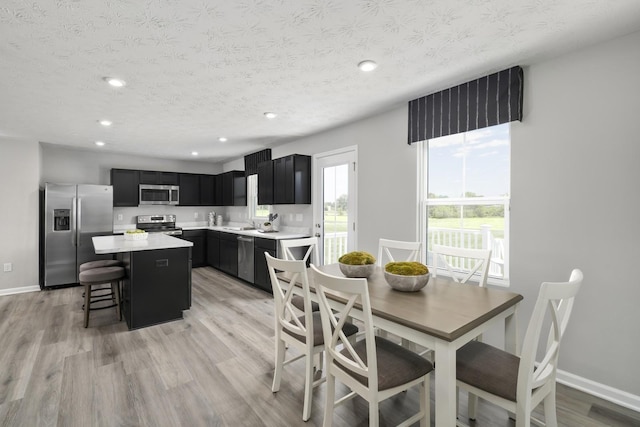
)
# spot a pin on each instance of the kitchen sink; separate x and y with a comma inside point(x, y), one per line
point(240, 228)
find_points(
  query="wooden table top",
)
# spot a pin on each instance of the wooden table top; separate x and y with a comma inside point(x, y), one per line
point(443, 309)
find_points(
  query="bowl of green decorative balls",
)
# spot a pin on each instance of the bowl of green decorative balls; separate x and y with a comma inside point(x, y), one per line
point(357, 264)
point(406, 276)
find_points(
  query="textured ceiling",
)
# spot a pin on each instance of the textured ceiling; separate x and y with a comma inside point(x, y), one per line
point(199, 69)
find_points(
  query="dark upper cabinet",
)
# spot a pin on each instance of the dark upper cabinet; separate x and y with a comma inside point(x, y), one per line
point(125, 187)
point(218, 182)
point(292, 180)
point(189, 189)
point(265, 183)
point(234, 188)
point(159, 178)
point(207, 190)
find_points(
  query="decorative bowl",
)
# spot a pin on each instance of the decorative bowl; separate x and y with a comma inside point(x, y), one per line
point(136, 236)
point(363, 270)
point(407, 283)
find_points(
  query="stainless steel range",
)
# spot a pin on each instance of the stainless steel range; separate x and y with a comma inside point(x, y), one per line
point(165, 224)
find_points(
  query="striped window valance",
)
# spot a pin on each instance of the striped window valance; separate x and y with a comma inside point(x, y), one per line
point(487, 101)
point(251, 161)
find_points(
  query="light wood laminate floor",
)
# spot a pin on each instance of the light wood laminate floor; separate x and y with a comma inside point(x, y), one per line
point(214, 368)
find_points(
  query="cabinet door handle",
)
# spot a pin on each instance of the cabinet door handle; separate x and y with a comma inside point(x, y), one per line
point(162, 263)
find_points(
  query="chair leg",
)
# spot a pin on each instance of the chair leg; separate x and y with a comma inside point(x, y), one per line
point(374, 413)
point(87, 306)
point(473, 406)
point(308, 387)
point(277, 374)
point(425, 402)
point(331, 400)
point(550, 417)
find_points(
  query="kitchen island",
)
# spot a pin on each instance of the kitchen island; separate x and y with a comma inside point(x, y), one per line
point(157, 285)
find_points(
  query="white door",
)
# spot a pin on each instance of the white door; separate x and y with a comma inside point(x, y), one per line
point(334, 203)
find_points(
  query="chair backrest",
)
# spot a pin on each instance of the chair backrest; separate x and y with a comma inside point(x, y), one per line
point(410, 251)
point(555, 302)
point(311, 242)
point(477, 263)
point(287, 315)
point(354, 291)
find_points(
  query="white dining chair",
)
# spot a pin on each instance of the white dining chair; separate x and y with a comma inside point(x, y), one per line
point(294, 329)
point(311, 253)
point(404, 251)
point(518, 383)
point(461, 264)
point(308, 245)
point(373, 368)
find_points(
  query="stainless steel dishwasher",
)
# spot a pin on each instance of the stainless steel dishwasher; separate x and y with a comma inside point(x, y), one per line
point(245, 258)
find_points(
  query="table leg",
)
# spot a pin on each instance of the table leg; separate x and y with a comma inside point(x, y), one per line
point(511, 339)
point(445, 386)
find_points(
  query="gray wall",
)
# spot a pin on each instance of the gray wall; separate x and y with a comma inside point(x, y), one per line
point(19, 166)
point(575, 202)
point(574, 198)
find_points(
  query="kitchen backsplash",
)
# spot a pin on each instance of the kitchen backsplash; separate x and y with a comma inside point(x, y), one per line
point(289, 216)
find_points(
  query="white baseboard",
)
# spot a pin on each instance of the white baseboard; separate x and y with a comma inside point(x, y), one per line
point(602, 391)
point(21, 290)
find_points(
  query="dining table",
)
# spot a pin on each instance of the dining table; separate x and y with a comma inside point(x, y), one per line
point(443, 316)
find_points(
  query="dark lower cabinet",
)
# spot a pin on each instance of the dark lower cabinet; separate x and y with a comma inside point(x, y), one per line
point(213, 248)
point(260, 272)
point(157, 287)
point(199, 249)
point(229, 253)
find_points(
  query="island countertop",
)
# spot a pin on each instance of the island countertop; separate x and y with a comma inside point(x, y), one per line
point(117, 243)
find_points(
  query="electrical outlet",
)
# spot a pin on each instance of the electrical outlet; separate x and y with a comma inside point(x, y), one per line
point(8, 267)
point(195, 215)
point(119, 217)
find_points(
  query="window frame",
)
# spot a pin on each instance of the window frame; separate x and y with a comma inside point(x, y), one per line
point(252, 199)
point(424, 203)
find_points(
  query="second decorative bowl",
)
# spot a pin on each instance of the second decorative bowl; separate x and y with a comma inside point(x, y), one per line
point(364, 270)
point(407, 283)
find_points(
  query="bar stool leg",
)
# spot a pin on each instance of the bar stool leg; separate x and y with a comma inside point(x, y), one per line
point(115, 286)
point(87, 302)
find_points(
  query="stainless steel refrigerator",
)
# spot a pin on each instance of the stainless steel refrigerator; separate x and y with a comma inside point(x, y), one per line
point(71, 216)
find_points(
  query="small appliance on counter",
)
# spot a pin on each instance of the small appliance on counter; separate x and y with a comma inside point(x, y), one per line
point(70, 216)
point(165, 224)
point(212, 219)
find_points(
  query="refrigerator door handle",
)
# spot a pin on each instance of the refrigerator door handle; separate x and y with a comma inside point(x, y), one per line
point(74, 230)
point(79, 224)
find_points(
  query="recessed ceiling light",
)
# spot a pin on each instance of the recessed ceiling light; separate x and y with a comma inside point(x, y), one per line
point(105, 123)
point(115, 82)
point(194, 153)
point(99, 143)
point(270, 115)
point(367, 65)
point(222, 139)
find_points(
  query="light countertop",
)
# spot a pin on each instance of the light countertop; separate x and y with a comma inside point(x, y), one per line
point(117, 243)
point(279, 235)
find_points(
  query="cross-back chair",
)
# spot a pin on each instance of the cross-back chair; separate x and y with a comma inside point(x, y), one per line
point(518, 383)
point(374, 367)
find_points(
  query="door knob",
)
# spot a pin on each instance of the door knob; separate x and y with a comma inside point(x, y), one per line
point(317, 234)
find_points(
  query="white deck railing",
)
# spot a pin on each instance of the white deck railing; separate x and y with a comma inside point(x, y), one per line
point(472, 239)
point(335, 245)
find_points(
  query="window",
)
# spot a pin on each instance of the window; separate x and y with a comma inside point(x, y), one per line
point(465, 186)
point(255, 210)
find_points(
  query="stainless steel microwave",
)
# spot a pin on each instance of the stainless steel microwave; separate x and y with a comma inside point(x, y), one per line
point(159, 194)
